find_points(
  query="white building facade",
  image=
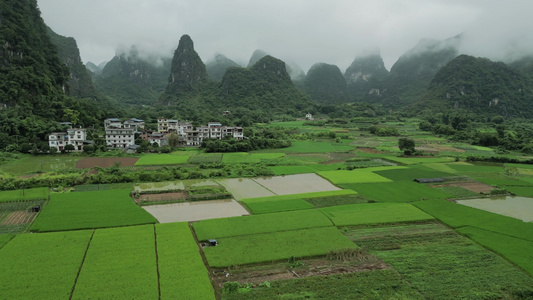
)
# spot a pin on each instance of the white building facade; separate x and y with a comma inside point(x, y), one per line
point(118, 134)
point(76, 137)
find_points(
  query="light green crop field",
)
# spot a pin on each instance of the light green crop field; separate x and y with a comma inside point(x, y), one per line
point(5, 238)
point(516, 250)
point(397, 191)
point(244, 157)
point(374, 213)
point(26, 194)
point(254, 224)
point(162, 159)
point(316, 147)
point(524, 191)
point(204, 158)
point(181, 269)
point(42, 266)
point(120, 264)
point(83, 210)
point(274, 246)
point(40, 163)
point(457, 215)
point(356, 176)
point(420, 160)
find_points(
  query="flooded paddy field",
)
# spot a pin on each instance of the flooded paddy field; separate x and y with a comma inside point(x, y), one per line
point(296, 184)
point(195, 211)
point(242, 188)
point(516, 207)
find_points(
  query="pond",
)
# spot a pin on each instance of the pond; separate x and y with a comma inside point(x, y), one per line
point(516, 207)
point(195, 211)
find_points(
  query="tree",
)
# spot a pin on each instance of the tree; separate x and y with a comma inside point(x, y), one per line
point(69, 148)
point(406, 145)
point(173, 140)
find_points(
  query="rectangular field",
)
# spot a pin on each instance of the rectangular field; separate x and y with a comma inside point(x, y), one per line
point(25, 194)
point(457, 215)
point(244, 157)
point(413, 172)
point(204, 158)
point(40, 163)
point(120, 264)
point(356, 176)
point(374, 213)
point(403, 191)
point(42, 266)
point(254, 224)
point(181, 269)
point(242, 188)
point(316, 147)
point(296, 184)
point(83, 210)
point(162, 159)
point(274, 246)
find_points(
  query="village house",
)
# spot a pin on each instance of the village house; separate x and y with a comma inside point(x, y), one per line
point(76, 137)
point(118, 134)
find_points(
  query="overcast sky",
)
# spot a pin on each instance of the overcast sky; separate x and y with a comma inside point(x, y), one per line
point(302, 31)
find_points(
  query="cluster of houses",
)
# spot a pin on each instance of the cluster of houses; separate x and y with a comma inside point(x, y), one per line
point(122, 135)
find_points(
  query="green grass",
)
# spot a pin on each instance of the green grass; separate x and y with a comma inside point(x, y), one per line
point(316, 147)
point(255, 224)
point(162, 159)
point(456, 215)
point(444, 265)
point(42, 266)
point(516, 250)
point(308, 168)
point(181, 268)
point(412, 172)
point(420, 160)
point(401, 191)
point(244, 157)
point(289, 202)
point(524, 191)
point(103, 187)
point(374, 213)
point(376, 285)
point(356, 176)
point(83, 210)
point(5, 238)
point(120, 264)
point(40, 163)
point(274, 246)
point(277, 206)
point(204, 158)
point(457, 192)
point(24, 195)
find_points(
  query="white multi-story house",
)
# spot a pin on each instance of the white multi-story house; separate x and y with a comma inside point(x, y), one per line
point(135, 123)
point(213, 130)
point(118, 134)
point(76, 137)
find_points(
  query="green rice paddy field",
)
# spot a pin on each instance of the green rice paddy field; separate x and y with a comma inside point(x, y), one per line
point(392, 238)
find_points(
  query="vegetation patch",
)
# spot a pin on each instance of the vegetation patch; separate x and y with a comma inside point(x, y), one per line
point(516, 250)
point(355, 176)
point(25, 195)
point(205, 158)
point(105, 162)
point(181, 268)
point(441, 264)
point(84, 210)
point(244, 157)
point(254, 224)
point(413, 172)
point(316, 147)
point(162, 159)
point(48, 267)
point(40, 163)
point(374, 213)
point(400, 191)
point(240, 250)
point(120, 263)
point(456, 215)
point(420, 160)
point(103, 187)
point(264, 207)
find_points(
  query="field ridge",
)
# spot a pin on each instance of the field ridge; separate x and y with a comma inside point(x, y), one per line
point(81, 265)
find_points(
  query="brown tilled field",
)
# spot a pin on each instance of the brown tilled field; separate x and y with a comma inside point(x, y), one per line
point(19, 217)
point(105, 162)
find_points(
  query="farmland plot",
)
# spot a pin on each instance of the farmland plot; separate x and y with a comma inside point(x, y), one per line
point(397, 191)
point(274, 246)
point(195, 211)
point(120, 264)
point(181, 268)
point(48, 267)
point(242, 188)
point(254, 224)
point(444, 265)
point(82, 210)
point(367, 175)
point(296, 184)
point(162, 159)
point(374, 213)
point(24, 195)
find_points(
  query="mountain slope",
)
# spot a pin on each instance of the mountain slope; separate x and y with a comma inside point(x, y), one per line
point(365, 76)
point(216, 67)
point(481, 86)
point(324, 83)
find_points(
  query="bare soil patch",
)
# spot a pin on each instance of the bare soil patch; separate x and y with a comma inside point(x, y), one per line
point(19, 217)
point(477, 187)
point(257, 274)
point(105, 162)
